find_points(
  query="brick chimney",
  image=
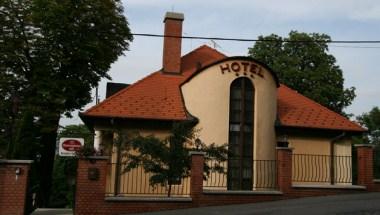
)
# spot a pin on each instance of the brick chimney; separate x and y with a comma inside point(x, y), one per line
point(171, 60)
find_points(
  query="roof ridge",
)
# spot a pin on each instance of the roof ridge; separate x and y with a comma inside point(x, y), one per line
point(122, 91)
point(216, 50)
point(202, 47)
point(322, 106)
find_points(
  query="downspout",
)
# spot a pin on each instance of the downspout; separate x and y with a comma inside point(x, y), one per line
point(332, 153)
point(118, 158)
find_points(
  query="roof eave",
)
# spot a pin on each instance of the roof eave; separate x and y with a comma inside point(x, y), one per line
point(350, 131)
point(90, 120)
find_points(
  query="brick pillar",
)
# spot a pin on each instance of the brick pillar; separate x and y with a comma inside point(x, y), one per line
point(91, 186)
point(284, 169)
point(365, 165)
point(14, 178)
point(196, 180)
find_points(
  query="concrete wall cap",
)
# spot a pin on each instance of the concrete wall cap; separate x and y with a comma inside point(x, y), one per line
point(174, 15)
point(242, 192)
point(97, 157)
point(16, 161)
point(284, 148)
point(364, 145)
point(148, 199)
point(197, 153)
point(352, 187)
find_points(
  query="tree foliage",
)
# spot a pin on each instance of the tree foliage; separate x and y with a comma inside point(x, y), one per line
point(306, 67)
point(371, 121)
point(77, 131)
point(53, 52)
point(168, 159)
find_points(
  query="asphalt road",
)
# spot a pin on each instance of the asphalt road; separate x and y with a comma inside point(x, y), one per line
point(354, 204)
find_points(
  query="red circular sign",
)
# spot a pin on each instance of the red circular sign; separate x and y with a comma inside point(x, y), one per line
point(71, 145)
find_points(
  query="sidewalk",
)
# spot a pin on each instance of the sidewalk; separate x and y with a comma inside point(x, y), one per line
point(353, 204)
point(52, 211)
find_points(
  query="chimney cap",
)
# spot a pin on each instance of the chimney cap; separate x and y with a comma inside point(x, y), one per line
point(174, 15)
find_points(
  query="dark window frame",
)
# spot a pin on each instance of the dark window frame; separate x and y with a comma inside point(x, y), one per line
point(240, 177)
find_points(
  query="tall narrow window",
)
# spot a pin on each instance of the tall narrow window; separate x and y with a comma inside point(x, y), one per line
point(241, 135)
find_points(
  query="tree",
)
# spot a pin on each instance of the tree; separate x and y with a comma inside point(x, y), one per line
point(371, 121)
point(52, 54)
point(168, 159)
point(306, 67)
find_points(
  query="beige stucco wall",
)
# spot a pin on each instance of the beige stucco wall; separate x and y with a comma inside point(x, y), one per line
point(319, 145)
point(206, 96)
point(343, 148)
point(309, 145)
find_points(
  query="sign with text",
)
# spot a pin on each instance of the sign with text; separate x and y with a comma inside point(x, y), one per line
point(68, 146)
point(242, 68)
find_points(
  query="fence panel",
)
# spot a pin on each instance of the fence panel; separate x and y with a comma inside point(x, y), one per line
point(263, 174)
point(136, 182)
point(322, 169)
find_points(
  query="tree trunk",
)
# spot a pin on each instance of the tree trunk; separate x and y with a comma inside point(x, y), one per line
point(48, 143)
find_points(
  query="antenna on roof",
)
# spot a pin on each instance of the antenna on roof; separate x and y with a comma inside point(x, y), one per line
point(96, 95)
point(214, 44)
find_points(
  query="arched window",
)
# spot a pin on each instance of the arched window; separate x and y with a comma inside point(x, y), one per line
point(241, 135)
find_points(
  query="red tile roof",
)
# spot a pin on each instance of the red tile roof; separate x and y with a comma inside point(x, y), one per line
point(296, 110)
point(158, 97)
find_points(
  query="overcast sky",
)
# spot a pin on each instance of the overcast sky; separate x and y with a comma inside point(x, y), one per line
point(341, 19)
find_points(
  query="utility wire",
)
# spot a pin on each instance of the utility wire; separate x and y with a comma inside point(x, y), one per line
point(260, 40)
point(356, 47)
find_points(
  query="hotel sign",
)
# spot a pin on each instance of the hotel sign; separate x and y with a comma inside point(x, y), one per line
point(242, 68)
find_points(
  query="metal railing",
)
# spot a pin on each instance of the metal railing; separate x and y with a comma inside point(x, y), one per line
point(136, 183)
point(322, 169)
point(254, 175)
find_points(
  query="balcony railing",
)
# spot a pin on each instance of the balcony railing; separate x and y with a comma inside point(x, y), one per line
point(259, 174)
point(322, 169)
